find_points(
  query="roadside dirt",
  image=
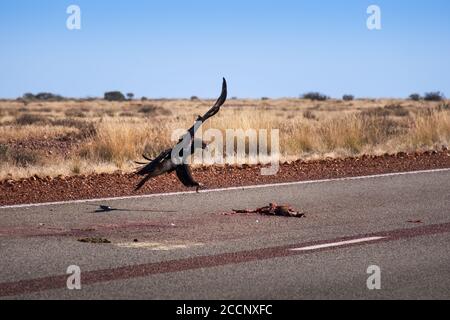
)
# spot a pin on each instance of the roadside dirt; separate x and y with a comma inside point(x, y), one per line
point(36, 190)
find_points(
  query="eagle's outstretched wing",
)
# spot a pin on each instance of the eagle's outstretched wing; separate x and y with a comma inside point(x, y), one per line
point(211, 112)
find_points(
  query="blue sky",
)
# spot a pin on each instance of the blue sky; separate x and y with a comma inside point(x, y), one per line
point(180, 48)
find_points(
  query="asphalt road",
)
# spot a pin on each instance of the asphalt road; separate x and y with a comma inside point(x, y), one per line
point(184, 247)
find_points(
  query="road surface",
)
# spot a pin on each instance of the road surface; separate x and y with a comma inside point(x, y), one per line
point(183, 246)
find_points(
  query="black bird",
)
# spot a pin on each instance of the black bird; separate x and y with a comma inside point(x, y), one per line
point(106, 208)
point(170, 160)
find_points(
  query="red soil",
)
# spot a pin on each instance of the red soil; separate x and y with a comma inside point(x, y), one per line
point(36, 190)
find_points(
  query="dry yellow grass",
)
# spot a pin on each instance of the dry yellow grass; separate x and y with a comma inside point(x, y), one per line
point(123, 131)
point(21, 133)
point(118, 141)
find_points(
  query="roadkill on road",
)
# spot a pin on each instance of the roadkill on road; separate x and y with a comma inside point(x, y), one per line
point(272, 210)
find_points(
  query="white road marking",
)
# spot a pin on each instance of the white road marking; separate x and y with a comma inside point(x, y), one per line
point(224, 189)
point(337, 244)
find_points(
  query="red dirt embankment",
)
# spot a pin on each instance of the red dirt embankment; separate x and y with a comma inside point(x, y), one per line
point(36, 190)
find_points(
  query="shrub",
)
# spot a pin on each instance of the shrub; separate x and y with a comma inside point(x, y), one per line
point(87, 129)
point(127, 114)
point(165, 112)
point(434, 96)
point(144, 99)
point(444, 106)
point(25, 158)
point(30, 118)
point(315, 96)
point(3, 153)
point(46, 96)
point(265, 98)
point(375, 112)
point(76, 167)
point(388, 110)
point(148, 109)
point(21, 157)
point(130, 96)
point(75, 113)
point(415, 97)
point(348, 97)
point(308, 114)
point(114, 96)
point(194, 98)
point(42, 96)
point(28, 96)
point(397, 110)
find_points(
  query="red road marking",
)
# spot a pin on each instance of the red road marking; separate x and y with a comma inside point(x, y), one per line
point(135, 271)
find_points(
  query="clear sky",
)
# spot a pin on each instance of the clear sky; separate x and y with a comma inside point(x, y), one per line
point(180, 48)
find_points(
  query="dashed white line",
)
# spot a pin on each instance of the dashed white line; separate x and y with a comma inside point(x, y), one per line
point(337, 244)
point(224, 189)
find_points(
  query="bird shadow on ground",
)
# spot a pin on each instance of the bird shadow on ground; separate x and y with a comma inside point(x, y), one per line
point(106, 209)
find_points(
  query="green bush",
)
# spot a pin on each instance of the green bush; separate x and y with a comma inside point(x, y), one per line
point(415, 97)
point(43, 96)
point(434, 96)
point(114, 96)
point(315, 96)
point(348, 97)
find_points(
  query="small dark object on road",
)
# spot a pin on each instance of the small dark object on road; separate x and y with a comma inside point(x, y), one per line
point(106, 208)
point(94, 240)
point(275, 210)
point(414, 221)
point(103, 209)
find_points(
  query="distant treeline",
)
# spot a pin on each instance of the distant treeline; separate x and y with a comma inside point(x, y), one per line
point(119, 96)
point(47, 96)
point(43, 96)
point(428, 96)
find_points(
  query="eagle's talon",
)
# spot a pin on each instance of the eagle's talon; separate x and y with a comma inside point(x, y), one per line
point(200, 185)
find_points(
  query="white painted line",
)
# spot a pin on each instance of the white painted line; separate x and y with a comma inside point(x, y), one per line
point(337, 244)
point(225, 189)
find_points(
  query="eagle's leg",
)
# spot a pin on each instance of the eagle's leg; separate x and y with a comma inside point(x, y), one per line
point(198, 187)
